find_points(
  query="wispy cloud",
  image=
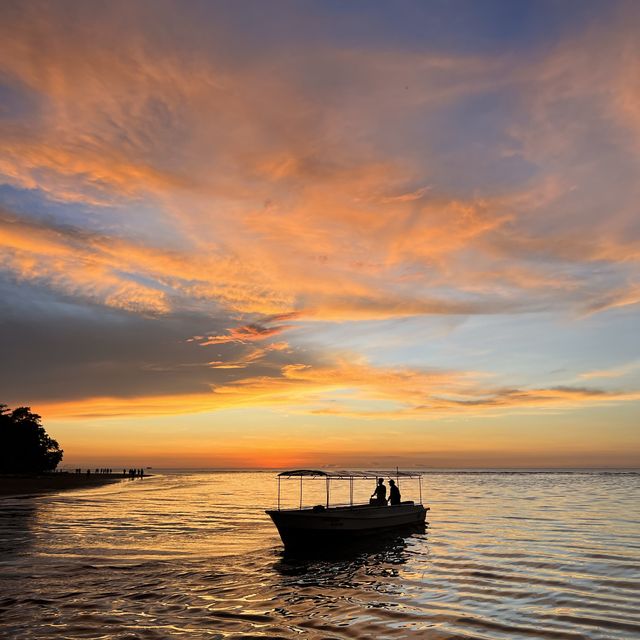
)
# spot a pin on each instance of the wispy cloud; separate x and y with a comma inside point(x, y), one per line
point(309, 389)
point(613, 372)
point(279, 226)
point(212, 191)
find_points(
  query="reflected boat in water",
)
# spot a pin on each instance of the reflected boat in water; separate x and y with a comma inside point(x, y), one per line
point(342, 563)
point(324, 526)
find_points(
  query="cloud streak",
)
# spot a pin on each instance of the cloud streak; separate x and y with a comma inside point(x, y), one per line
point(144, 124)
point(231, 211)
point(308, 389)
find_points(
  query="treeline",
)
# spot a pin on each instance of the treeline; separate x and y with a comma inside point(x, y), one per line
point(25, 446)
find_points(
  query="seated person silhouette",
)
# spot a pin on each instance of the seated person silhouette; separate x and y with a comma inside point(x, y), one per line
point(394, 493)
point(380, 494)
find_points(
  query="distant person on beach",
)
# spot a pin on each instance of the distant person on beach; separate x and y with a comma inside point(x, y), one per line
point(394, 493)
point(380, 493)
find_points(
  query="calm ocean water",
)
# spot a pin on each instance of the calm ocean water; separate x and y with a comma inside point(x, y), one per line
point(192, 555)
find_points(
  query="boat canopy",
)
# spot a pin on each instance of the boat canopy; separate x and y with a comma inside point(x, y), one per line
point(347, 475)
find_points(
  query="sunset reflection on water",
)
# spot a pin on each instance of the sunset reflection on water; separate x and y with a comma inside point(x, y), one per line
point(185, 554)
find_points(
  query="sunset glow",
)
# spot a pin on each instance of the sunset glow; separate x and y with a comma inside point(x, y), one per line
point(271, 234)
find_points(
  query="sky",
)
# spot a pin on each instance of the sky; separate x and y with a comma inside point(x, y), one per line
point(245, 233)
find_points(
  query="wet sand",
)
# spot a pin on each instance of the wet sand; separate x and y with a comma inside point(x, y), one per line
point(16, 485)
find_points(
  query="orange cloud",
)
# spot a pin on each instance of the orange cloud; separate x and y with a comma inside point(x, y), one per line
point(245, 333)
point(305, 389)
point(614, 372)
point(411, 196)
point(38, 255)
point(310, 216)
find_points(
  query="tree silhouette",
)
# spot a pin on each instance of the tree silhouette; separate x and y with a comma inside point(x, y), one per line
point(25, 446)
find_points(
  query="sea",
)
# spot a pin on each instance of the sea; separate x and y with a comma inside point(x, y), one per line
point(192, 555)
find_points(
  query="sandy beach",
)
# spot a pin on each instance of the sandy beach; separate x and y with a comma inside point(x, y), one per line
point(28, 484)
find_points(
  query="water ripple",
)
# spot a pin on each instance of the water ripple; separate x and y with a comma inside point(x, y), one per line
point(194, 556)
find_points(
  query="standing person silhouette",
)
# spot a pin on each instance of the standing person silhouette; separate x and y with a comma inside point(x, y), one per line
point(394, 493)
point(380, 493)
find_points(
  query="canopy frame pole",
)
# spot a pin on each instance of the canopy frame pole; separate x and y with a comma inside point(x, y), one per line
point(397, 478)
point(328, 481)
point(278, 493)
point(300, 492)
point(420, 485)
point(351, 491)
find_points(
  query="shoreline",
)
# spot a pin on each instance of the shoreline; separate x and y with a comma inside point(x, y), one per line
point(19, 485)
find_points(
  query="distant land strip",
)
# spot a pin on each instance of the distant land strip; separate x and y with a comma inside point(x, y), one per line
point(33, 484)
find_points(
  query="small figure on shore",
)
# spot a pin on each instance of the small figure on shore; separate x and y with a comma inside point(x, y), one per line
point(380, 493)
point(394, 493)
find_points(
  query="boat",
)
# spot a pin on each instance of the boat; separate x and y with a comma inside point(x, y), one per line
point(326, 525)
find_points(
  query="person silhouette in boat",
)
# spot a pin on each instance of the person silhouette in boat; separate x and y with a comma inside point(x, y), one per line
point(394, 493)
point(380, 494)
